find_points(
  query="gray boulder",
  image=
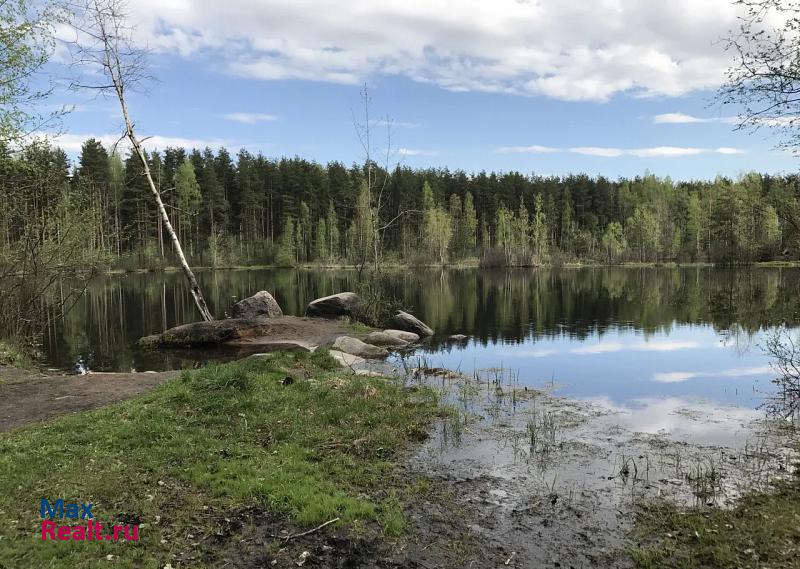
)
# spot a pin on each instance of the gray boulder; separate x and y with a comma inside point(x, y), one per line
point(383, 339)
point(260, 305)
point(409, 337)
point(341, 304)
point(358, 348)
point(409, 323)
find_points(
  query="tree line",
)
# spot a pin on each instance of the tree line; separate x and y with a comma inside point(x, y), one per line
point(249, 209)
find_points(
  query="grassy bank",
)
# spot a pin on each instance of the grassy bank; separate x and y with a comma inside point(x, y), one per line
point(763, 530)
point(291, 437)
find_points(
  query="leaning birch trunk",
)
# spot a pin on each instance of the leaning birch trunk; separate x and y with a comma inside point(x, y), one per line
point(194, 287)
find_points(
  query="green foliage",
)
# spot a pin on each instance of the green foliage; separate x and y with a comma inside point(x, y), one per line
point(642, 233)
point(377, 304)
point(613, 242)
point(290, 211)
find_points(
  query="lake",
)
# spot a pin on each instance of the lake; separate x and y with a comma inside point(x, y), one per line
point(617, 334)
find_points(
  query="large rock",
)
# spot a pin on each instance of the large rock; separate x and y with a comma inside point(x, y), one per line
point(409, 337)
point(383, 339)
point(341, 304)
point(409, 323)
point(260, 305)
point(214, 332)
point(358, 348)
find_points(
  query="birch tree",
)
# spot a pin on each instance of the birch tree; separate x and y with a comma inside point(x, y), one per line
point(104, 43)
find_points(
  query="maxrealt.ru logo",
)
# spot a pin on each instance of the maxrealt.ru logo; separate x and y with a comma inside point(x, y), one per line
point(91, 531)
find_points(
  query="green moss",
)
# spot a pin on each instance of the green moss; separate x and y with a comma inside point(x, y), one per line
point(319, 446)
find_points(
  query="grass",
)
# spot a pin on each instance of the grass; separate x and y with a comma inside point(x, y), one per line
point(290, 433)
point(763, 530)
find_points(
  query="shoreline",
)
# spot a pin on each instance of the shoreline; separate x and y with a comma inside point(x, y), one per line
point(456, 266)
point(482, 464)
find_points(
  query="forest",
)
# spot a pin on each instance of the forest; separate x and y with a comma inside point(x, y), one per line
point(252, 210)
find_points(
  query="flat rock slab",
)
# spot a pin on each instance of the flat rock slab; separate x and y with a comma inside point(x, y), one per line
point(259, 333)
point(274, 345)
point(358, 348)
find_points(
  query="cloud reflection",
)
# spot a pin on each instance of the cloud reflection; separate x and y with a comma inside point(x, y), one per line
point(679, 376)
point(659, 346)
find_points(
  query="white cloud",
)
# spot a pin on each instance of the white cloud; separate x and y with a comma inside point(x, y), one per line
point(535, 149)
point(728, 150)
point(681, 118)
point(71, 143)
point(250, 118)
point(416, 152)
point(611, 152)
point(598, 151)
point(565, 50)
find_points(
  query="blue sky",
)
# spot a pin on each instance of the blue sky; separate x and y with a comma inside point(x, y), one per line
point(611, 87)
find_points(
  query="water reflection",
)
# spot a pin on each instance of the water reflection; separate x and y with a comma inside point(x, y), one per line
point(598, 330)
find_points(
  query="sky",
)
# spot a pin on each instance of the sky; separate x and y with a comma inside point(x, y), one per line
point(603, 87)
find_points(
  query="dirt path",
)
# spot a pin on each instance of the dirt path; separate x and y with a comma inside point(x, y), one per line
point(29, 396)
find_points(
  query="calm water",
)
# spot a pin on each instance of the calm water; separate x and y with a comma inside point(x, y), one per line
point(621, 334)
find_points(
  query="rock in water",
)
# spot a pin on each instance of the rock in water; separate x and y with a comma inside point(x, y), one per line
point(341, 304)
point(409, 323)
point(358, 348)
point(384, 339)
point(409, 337)
point(457, 338)
point(260, 305)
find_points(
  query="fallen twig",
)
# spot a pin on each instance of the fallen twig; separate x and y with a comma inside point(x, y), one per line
point(319, 527)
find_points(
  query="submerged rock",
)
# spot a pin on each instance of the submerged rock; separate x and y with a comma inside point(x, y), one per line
point(378, 338)
point(341, 304)
point(260, 305)
point(457, 338)
point(358, 348)
point(409, 323)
